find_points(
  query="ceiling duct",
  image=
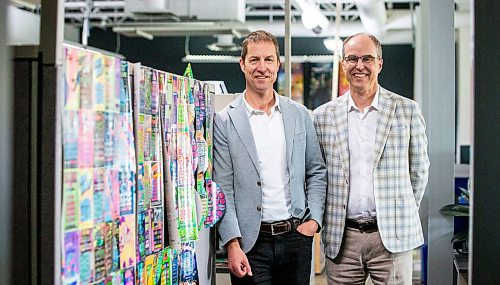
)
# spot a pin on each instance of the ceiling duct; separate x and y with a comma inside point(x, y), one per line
point(164, 18)
point(181, 29)
point(373, 16)
point(204, 10)
point(149, 6)
point(224, 43)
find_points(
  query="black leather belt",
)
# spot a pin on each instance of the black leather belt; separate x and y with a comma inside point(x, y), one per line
point(278, 228)
point(363, 226)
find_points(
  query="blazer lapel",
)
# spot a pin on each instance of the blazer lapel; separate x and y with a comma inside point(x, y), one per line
point(339, 117)
point(239, 117)
point(289, 118)
point(386, 110)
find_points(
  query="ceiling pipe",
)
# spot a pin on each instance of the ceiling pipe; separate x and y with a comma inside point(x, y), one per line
point(373, 16)
point(395, 36)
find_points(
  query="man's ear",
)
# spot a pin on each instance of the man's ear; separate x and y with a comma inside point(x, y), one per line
point(344, 66)
point(242, 64)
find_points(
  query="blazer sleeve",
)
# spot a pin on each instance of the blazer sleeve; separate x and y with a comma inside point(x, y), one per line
point(223, 176)
point(419, 160)
point(315, 174)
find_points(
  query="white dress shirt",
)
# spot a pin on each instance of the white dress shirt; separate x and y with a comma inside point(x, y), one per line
point(362, 130)
point(269, 136)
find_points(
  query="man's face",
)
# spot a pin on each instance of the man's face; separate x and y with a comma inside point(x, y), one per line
point(362, 75)
point(260, 66)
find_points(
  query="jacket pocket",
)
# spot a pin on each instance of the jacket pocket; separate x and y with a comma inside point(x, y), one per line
point(406, 218)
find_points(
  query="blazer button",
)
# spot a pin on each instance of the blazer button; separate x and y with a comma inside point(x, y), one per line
point(259, 208)
point(259, 183)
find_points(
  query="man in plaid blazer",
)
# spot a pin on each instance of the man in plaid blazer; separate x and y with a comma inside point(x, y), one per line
point(375, 148)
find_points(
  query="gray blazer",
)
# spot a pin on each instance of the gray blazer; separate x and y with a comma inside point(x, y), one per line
point(236, 169)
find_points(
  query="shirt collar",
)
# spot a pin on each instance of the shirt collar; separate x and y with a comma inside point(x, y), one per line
point(374, 105)
point(251, 111)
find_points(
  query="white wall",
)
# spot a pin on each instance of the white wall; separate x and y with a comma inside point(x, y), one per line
point(5, 149)
point(464, 85)
point(23, 27)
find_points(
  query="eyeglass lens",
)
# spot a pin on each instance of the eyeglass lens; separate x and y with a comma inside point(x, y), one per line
point(366, 59)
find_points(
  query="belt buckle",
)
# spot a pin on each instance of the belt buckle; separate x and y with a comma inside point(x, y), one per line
point(272, 230)
point(365, 226)
point(276, 224)
point(362, 226)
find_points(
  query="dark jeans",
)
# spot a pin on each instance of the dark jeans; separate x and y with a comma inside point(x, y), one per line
point(280, 259)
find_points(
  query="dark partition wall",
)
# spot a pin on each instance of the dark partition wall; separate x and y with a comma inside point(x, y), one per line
point(486, 165)
point(167, 53)
point(23, 226)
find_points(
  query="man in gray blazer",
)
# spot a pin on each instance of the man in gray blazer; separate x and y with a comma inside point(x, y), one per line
point(268, 162)
point(375, 149)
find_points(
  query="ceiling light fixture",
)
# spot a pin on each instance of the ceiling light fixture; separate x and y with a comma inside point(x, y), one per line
point(312, 17)
point(224, 43)
point(334, 45)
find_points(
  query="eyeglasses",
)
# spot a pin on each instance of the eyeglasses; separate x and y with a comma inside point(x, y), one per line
point(365, 59)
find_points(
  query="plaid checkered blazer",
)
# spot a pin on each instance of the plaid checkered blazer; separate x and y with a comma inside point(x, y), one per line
point(400, 170)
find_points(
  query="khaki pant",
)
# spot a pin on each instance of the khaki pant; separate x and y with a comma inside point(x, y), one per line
point(362, 255)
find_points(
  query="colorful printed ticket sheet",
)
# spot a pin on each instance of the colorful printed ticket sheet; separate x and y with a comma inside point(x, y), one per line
point(137, 150)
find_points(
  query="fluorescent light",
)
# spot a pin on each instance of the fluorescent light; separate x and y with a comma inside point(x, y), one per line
point(144, 34)
point(235, 59)
point(210, 58)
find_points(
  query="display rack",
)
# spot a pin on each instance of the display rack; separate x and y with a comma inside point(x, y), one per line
point(137, 172)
